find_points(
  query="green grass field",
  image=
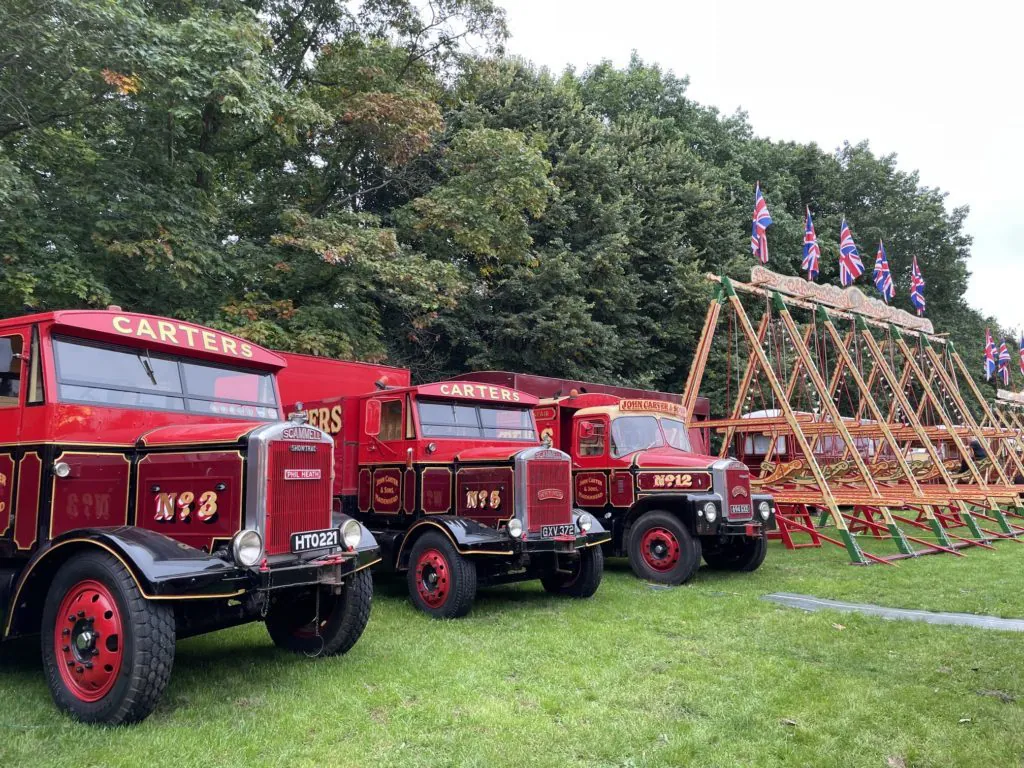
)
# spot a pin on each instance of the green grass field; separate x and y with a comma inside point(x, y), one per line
point(702, 675)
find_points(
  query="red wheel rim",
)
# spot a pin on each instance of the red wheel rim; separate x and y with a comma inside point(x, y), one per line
point(433, 579)
point(660, 549)
point(88, 640)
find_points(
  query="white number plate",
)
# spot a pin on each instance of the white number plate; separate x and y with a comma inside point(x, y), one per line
point(550, 531)
point(304, 542)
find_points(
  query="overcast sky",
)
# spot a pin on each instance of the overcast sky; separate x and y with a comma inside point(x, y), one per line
point(940, 88)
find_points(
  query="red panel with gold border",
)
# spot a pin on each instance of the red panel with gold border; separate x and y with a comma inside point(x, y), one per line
point(484, 494)
point(409, 491)
point(95, 493)
point(6, 489)
point(436, 490)
point(194, 497)
point(387, 491)
point(621, 489)
point(673, 480)
point(591, 489)
point(26, 502)
point(363, 491)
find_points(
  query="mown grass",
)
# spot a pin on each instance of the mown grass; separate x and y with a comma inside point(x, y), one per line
point(702, 675)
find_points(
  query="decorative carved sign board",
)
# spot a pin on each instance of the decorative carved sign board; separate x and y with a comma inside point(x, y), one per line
point(846, 299)
point(1010, 397)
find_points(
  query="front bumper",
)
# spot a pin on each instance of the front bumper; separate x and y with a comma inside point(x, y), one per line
point(722, 526)
point(563, 544)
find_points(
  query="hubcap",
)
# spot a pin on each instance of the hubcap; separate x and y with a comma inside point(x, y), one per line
point(660, 549)
point(432, 578)
point(88, 640)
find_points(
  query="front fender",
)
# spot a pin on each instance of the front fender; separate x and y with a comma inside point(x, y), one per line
point(162, 568)
point(468, 536)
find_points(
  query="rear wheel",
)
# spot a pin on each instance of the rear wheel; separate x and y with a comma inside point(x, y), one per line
point(330, 627)
point(662, 550)
point(736, 553)
point(107, 651)
point(582, 579)
point(442, 583)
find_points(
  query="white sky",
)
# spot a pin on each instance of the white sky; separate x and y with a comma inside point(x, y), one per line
point(937, 83)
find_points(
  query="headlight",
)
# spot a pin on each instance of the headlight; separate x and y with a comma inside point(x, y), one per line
point(515, 528)
point(764, 509)
point(585, 522)
point(247, 548)
point(351, 533)
point(710, 512)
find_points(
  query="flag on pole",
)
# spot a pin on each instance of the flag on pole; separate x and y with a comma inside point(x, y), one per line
point(850, 265)
point(883, 279)
point(1004, 364)
point(990, 356)
point(916, 288)
point(1022, 352)
point(762, 220)
point(811, 250)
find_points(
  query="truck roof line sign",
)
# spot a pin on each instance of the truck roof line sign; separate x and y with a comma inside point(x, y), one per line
point(658, 406)
point(489, 392)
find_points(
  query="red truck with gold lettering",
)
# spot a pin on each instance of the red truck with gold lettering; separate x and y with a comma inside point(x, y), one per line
point(452, 479)
point(150, 490)
point(645, 474)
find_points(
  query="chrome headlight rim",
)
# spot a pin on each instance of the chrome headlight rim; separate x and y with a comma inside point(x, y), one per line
point(515, 528)
point(710, 511)
point(764, 509)
point(246, 552)
point(351, 533)
point(585, 522)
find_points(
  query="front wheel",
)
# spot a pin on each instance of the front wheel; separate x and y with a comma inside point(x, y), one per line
point(107, 651)
point(736, 553)
point(325, 624)
point(582, 579)
point(662, 550)
point(442, 583)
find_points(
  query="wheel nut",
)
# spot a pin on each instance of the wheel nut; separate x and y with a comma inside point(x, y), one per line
point(71, 663)
point(66, 648)
point(88, 665)
point(71, 619)
point(79, 670)
point(65, 631)
point(81, 614)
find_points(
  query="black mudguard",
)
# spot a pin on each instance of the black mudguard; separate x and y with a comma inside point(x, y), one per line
point(468, 536)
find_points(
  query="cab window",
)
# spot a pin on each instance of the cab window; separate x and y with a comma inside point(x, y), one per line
point(10, 370)
point(590, 434)
point(35, 373)
point(391, 420)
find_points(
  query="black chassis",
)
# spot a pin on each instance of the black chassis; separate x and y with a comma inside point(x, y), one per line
point(209, 589)
point(499, 557)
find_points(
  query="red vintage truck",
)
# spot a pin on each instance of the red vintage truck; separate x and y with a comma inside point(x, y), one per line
point(639, 469)
point(150, 490)
point(452, 479)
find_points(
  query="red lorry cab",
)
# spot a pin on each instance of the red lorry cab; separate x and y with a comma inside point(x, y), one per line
point(458, 464)
point(641, 468)
point(144, 461)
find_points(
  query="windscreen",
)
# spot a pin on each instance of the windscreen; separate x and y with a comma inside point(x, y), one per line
point(130, 378)
point(638, 433)
point(451, 419)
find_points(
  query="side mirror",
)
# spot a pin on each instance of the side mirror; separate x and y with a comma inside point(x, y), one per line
point(372, 422)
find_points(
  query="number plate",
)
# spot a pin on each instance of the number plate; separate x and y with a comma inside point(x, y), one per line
point(308, 540)
point(549, 531)
point(739, 510)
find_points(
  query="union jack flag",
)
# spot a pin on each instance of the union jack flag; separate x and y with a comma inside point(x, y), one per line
point(762, 220)
point(1022, 352)
point(990, 356)
point(850, 265)
point(917, 288)
point(812, 253)
point(883, 280)
point(1004, 364)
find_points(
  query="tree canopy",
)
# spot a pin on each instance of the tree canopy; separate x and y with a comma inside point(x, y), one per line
point(377, 180)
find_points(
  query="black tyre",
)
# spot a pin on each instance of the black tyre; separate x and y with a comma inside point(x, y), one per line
point(107, 651)
point(584, 579)
point(297, 623)
point(662, 550)
point(442, 583)
point(736, 553)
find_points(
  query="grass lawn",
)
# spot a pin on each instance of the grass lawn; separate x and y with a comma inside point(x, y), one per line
point(702, 675)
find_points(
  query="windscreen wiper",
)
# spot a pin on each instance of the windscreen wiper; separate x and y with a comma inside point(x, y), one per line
point(148, 365)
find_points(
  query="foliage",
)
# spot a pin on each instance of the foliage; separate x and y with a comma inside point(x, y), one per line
point(374, 180)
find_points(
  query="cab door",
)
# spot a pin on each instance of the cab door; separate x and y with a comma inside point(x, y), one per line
point(21, 533)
